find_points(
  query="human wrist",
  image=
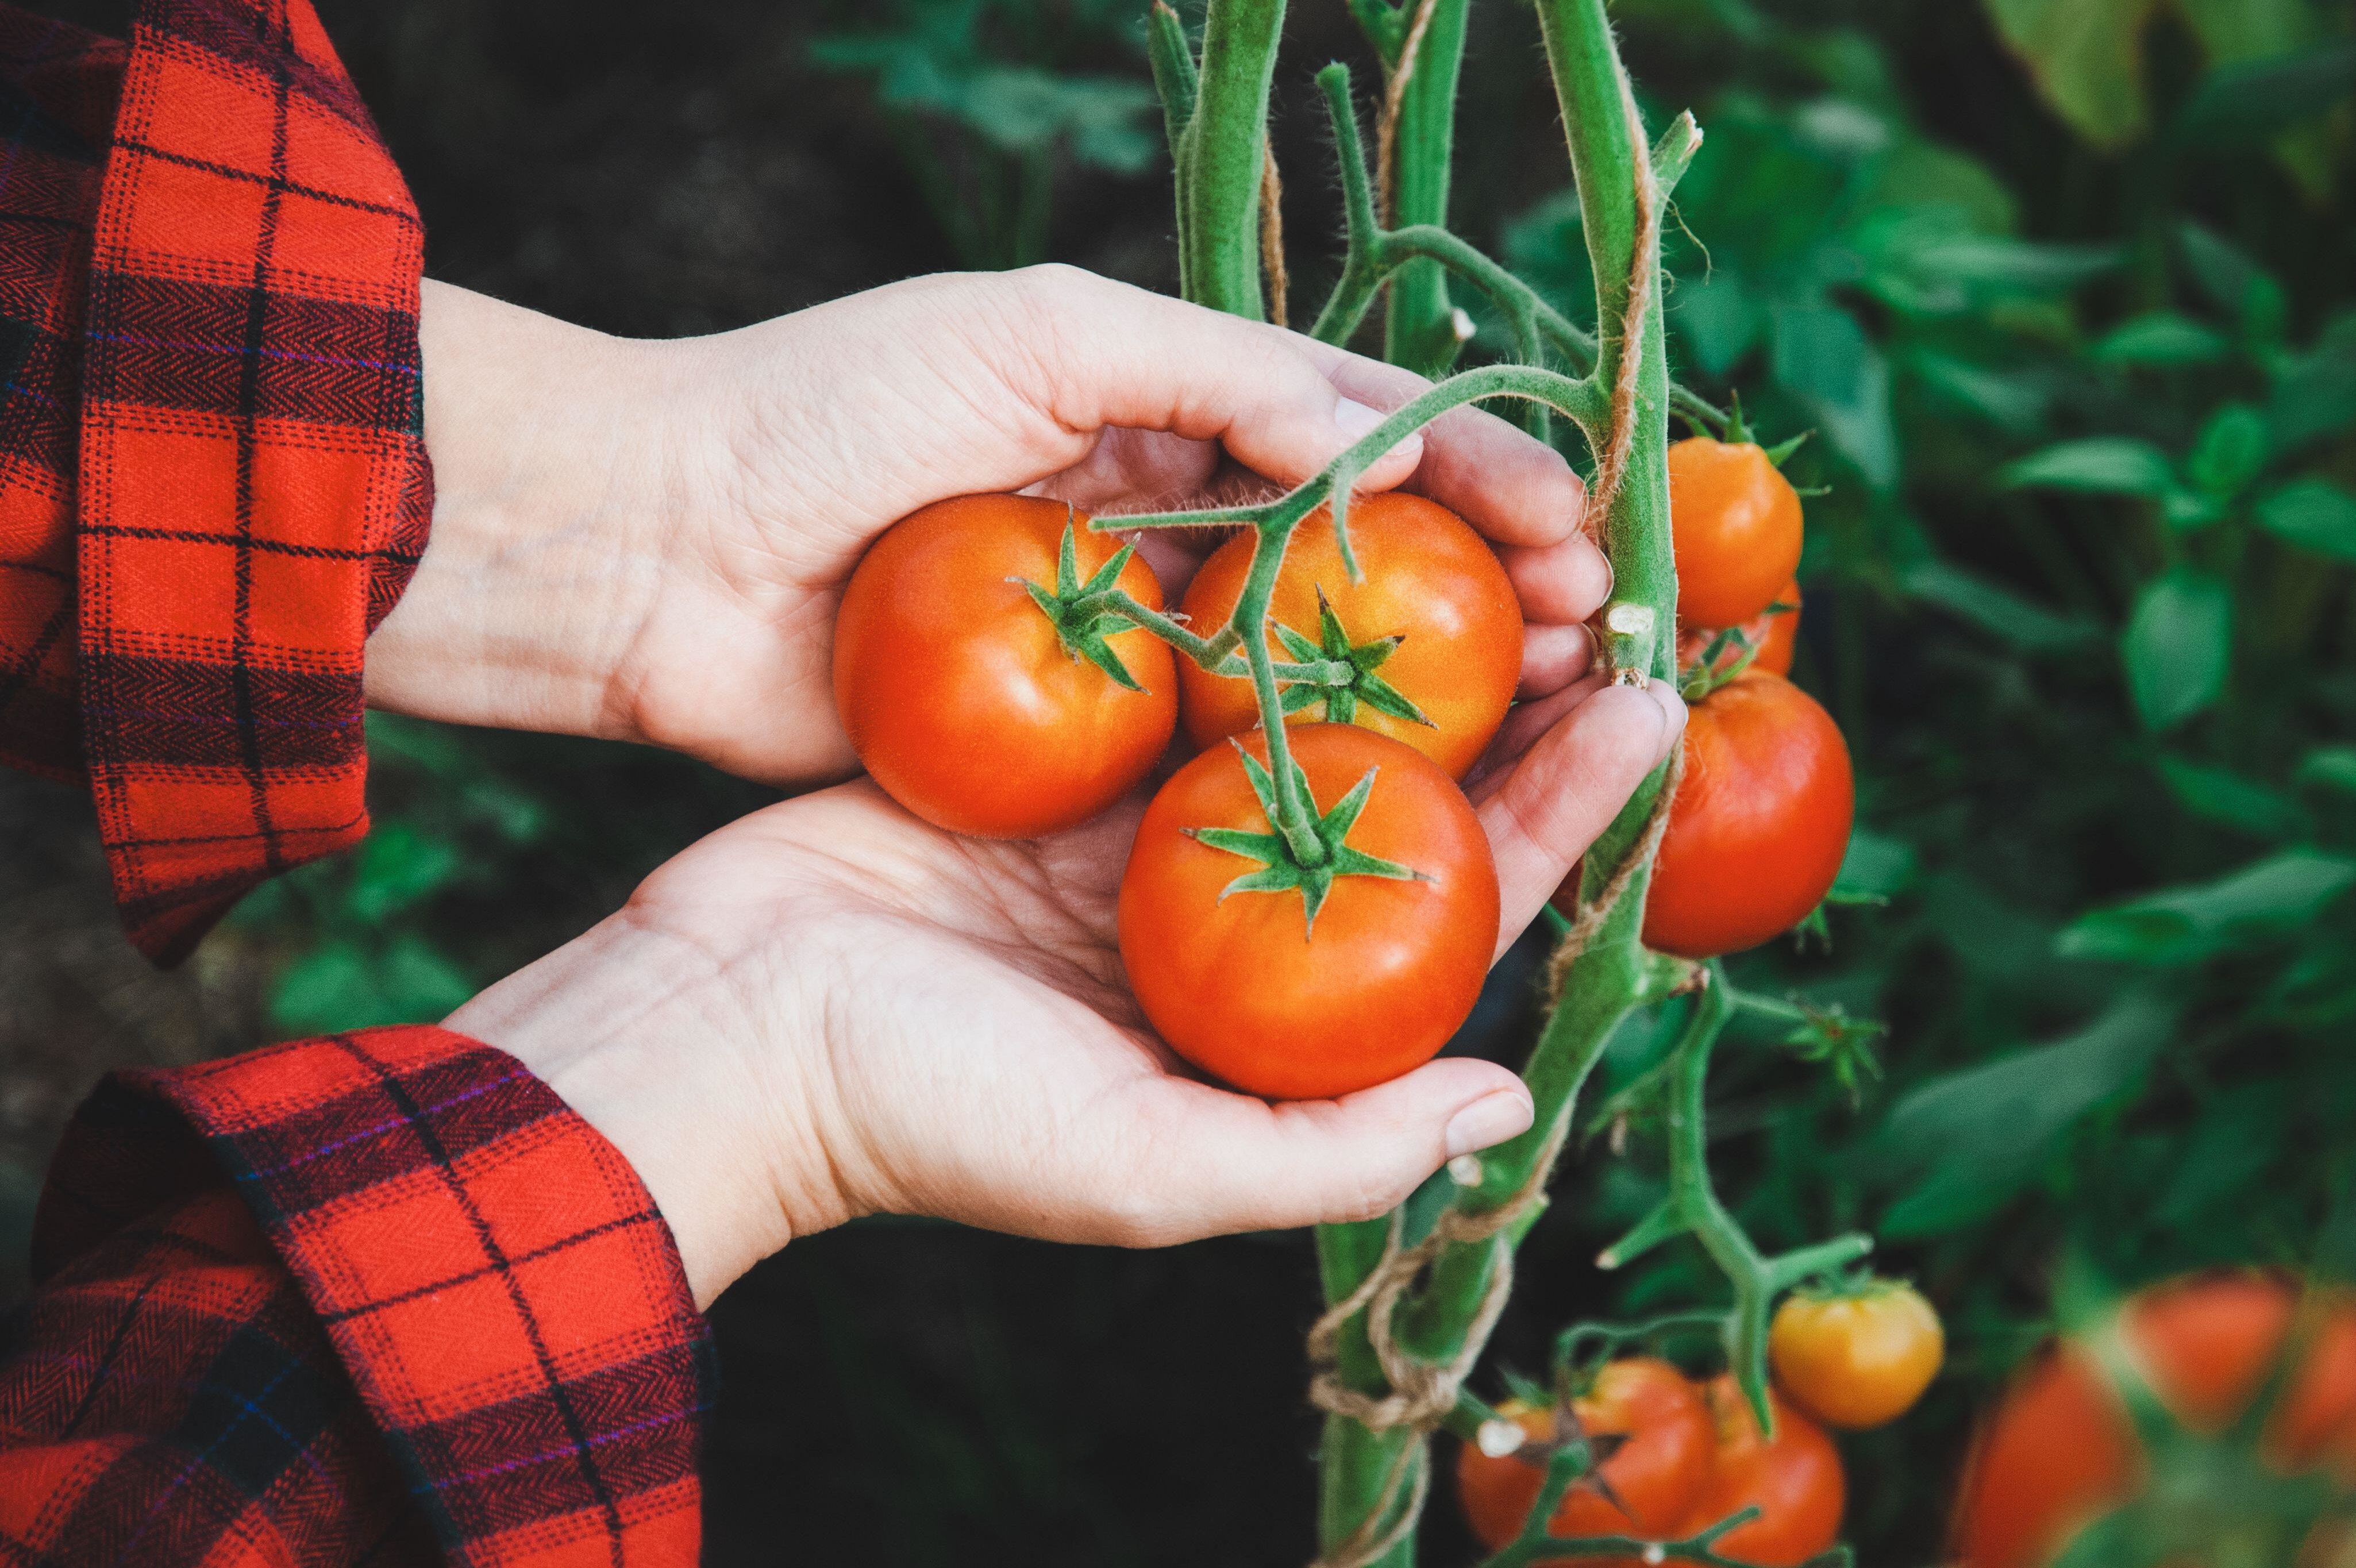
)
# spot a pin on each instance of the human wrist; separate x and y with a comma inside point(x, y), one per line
point(633, 1030)
point(548, 539)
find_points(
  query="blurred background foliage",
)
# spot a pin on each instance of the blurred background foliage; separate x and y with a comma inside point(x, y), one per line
point(2061, 289)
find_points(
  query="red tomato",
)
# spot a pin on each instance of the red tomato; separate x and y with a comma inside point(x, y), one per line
point(1858, 1359)
point(1658, 1473)
point(1241, 985)
point(1774, 632)
point(1760, 823)
point(2059, 1450)
point(1795, 1479)
point(957, 690)
point(1736, 525)
point(1427, 578)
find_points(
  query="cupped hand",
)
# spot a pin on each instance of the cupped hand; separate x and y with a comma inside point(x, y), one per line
point(646, 540)
point(831, 1009)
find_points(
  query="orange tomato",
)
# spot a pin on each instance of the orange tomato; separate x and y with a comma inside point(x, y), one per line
point(1657, 1474)
point(2059, 1450)
point(1428, 579)
point(1795, 1479)
point(1241, 986)
point(1860, 1359)
point(1774, 632)
point(956, 690)
point(1760, 823)
point(1736, 524)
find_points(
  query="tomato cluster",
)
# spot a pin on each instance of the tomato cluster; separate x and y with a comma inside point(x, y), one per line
point(2059, 1450)
point(992, 676)
point(1679, 1456)
point(1762, 814)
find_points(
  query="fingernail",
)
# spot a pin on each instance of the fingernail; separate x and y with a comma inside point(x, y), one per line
point(1356, 419)
point(1491, 1119)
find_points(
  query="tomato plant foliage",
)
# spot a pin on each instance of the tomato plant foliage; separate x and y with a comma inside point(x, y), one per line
point(2068, 310)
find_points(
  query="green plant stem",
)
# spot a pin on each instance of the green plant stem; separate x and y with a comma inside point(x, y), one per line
point(1692, 1208)
point(1220, 154)
point(1419, 327)
point(1374, 254)
point(1612, 975)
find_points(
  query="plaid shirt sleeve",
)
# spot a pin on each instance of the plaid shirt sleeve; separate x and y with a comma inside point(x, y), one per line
point(379, 1298)
point(213, 482)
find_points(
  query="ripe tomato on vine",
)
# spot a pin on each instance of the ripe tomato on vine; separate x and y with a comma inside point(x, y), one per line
point(980, 682)
point(1649, 1482)
point(1737, 526)
point(1295, 981)
point(1760, 823)
point(2059, 1450)
point(1431, 631)
point(1794, 1478)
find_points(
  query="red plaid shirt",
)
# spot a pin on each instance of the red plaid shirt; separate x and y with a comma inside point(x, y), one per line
point(380, 1298)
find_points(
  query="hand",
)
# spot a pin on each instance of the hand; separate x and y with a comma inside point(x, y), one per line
point(830, 1009)
point(646, 540)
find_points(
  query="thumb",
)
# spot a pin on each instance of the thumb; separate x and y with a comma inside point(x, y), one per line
point(1088, 353)
point(1208, 1162)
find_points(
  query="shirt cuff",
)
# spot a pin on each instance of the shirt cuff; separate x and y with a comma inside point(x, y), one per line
point(495, 1279)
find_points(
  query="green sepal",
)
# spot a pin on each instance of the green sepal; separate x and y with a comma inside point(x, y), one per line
point(1385, 697)
point(1784, 449)
point(1334, 645)
point(1075, 608)
point(1239, 841)
point(1280, 872)
point(1301, 648)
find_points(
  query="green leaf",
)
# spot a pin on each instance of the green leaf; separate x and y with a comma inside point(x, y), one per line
point(1822, 356)
point(2225, 797)
point(1995, 609)
point(2313, 514)
point(2331, 767)
point(344, 987)
point(1718, 319)
point(2086, 57)
point(2178, 646)
point(2013, 401)
point(2233, 283)
point(2248, 102)
point(2229, 450)
point(2102, 465)
point(2160, 338)
point(2186, 924)
point(398, 868)
point(1986, 1130)
point(1876, 866)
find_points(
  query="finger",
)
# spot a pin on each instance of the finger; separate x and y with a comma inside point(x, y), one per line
point(1138, 470)
point(1559, 585)
point(1524, 724)
point(1544, 811)
point(1088, 352)
point(1206, 1162)
point(1512, 486)
point(1552, 658)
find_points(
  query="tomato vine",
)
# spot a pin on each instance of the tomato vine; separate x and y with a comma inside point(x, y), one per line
point(1412, 1298)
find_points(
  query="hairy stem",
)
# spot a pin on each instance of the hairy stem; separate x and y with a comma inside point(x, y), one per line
point(1221, 155)
point(1419, 328)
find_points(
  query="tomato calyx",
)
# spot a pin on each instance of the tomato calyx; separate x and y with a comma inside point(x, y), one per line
point(1282, 871)
point(1354, 663)
point(1086, 614)
point(1702, 676)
